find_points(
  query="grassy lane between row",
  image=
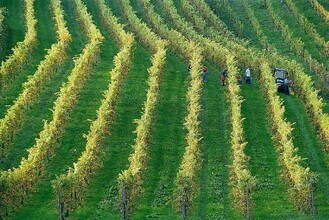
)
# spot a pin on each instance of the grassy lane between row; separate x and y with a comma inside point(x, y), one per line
point(248, 32)
point(33, 123)
point(298, 31)
point(167, 141)
point(309, 147)
point(45, 38)
point(40, 111)
point(213, 201)
point(216, 186)
point(324, 3)
point(158, 9)
point(271, 167)
point(72, 142)
point(270, 197)
point(319, 24)
point(14, 25)
point(166, 149)
point(102, 197)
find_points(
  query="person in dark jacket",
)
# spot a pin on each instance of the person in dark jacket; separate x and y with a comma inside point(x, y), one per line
point(205, 74)
point(223, 76)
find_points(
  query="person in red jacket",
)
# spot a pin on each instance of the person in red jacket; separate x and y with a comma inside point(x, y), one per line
point(223, 76)
point(205, 74)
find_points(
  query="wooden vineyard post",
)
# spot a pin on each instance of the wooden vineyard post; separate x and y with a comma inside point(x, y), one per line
point(60, 205)
point(310, 63)
point(183, 206)
point(47, 156)
point(312, 197)
point(123, 202)
point(247, 202)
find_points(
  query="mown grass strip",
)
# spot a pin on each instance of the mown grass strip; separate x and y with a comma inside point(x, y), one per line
point(131, 179)
point(320, 10)
point(76, 181)
point(20, 182)
point(10, 125)
point(22, 50)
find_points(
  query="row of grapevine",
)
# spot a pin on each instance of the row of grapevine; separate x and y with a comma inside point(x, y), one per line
point(177, 42)
point(10, 125)
point(16, 184)
point(212, 49)
point(237, 173)
point(187, 177)
point(314, 104)
point(305, 89)
point(298, 46)
point(237, 24)
point(294, 166)
point(187, 8)
point(255, 24)
point(212, 36)
point(146, 35)
point(300, 177)
point(86, 19)
point(71, 187)
point(320, 10)
point(308, 94)
point(186, 182)
point(23, 49)
point(308, 27)
point(215, 23)
point(240, 178)
point(131, 179)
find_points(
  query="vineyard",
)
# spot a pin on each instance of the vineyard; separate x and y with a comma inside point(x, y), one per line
point(106, 112)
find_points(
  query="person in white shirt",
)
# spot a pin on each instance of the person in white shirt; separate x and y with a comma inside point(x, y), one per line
point(286, 85)
point(248, 75)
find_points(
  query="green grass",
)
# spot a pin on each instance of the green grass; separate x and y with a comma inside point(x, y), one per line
point(45, 38)
point(270, 197)
point(33, 124)
point(211, 176)
point(306, 140)
point(101, 195)
point(172, 94)
point(213, 201)
point(167, 144)
point(319, 24)
point(298, 31)
point(72, 142)
point(14, 24)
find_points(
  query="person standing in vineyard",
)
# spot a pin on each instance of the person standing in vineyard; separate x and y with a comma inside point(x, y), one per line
point(286, 86)
point(248, 75)
point(205, 74)
point(189, 69)
point(223, 76)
